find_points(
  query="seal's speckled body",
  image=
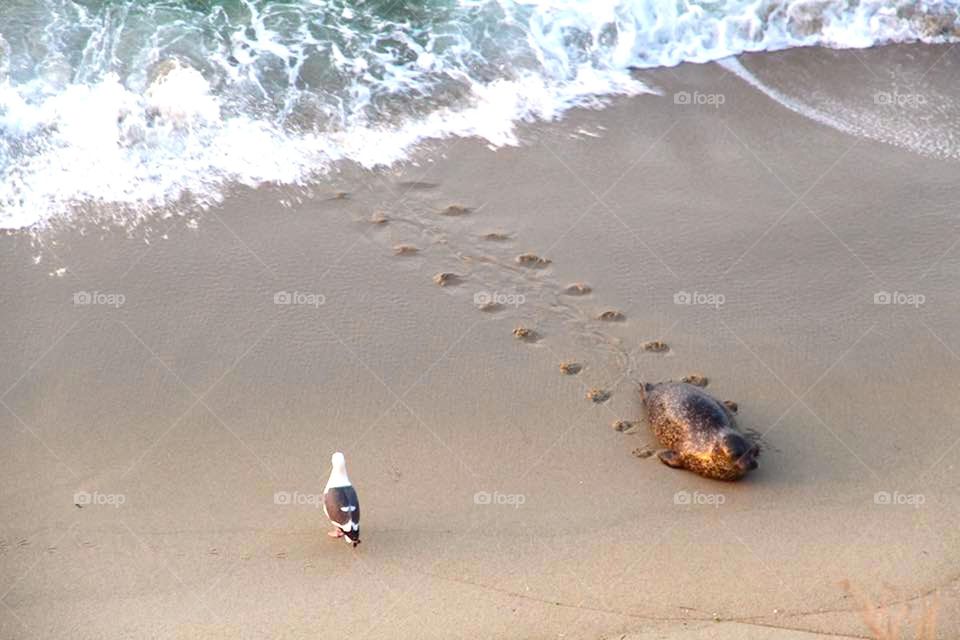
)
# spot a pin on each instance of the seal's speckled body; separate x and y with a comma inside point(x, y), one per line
point(699, 432)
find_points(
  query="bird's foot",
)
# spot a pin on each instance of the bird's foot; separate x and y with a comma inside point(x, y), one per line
point(335, 534)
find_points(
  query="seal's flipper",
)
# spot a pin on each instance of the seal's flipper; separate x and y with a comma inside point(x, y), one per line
point(731, 405)
point(671, 459)
point(645, 388)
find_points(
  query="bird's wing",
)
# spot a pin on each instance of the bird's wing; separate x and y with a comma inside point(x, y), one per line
point(342, 507)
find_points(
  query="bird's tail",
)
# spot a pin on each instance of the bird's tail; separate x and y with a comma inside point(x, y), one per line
point(353, 536)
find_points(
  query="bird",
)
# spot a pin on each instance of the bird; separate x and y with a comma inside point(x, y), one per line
point(340, 503)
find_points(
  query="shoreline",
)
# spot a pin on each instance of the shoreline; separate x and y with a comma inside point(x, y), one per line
point(199, 397)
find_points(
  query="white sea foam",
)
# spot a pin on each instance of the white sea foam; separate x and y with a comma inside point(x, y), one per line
point(925, 121)
point(106, 144)
point(287, 90)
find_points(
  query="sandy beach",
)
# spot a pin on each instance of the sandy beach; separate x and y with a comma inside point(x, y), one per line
point(186, 381)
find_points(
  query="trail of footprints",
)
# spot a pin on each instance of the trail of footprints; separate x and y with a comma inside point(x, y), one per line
point(531, 263)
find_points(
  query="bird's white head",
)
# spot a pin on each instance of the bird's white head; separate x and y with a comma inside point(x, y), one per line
point(338, 475)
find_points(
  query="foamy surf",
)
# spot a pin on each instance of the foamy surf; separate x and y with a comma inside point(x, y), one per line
point(918, 117)
point(144, 106)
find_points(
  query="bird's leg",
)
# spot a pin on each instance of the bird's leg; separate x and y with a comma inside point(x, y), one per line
point(336, 533)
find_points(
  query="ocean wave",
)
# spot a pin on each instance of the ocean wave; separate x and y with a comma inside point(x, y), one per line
point(146, 105)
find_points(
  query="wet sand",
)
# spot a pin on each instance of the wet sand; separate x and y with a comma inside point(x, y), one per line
point(217, 364)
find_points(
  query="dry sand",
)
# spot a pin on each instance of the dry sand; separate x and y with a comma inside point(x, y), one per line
point(199, 398)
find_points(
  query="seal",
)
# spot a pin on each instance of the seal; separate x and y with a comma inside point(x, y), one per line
point(699, 432)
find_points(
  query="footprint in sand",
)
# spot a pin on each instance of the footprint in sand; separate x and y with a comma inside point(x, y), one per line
point(416, 184)
point(577, 289)
point(696, 379)
point(643, 452)
point(526, 334)
point(446, 279)
point(456, 210)
point(624, 426)
point(655, 346)
point(496, 236)
point(571, 368)
point(23, 543)
point(213, 551)
point(612, 316)
point(598, 395)
point(378, 218)
point(404, 250)
point(282, 555)
point(490, 307)
point(533, 260)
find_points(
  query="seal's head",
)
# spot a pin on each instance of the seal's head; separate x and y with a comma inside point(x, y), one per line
point(735, 454)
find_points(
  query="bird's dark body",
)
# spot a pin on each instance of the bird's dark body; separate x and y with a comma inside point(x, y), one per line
point(334, 500)
point(699, 432)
